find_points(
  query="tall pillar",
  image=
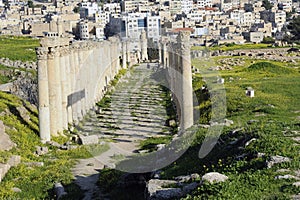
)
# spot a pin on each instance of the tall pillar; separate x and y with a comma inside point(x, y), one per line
point(43, 93)
point(165, 55)
point(68, 83)
point(72, 96)
point(64, 96)
point(59, 107)
point(128, 56)
point(77, 80)
point(159, 53)
point(53, 91)
point(183, 40)
point(124, 60)
point(144, 46)
point(83, 65)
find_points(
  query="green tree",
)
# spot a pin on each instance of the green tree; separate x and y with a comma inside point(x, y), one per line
point(294, 27)
point(30, 4)
point(268, 40)
point(76, 9)
point(267, 5)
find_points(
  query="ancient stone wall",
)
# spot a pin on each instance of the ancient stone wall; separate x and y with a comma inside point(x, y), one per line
point(72, 77)
point(176, 57)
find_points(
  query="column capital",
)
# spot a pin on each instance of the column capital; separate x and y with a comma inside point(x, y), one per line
point(42, 53)
point(64, 50)
point(183, 39)
point(52, 52)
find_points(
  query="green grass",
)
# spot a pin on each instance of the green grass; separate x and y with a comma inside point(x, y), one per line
point(36, 182)
point(151, 143)
point(18, 48)
point(274, 107)
point(231, 47)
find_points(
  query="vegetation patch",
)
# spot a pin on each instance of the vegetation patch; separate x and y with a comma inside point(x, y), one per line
point(265, 67)
point(269, 120)
point(18, 48)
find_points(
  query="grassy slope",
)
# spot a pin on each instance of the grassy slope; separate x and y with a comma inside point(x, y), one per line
point(275, 106)
point(18, 48)
point(35, 182)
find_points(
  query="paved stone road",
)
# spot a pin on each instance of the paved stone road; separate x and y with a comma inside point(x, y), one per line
point(136, 112)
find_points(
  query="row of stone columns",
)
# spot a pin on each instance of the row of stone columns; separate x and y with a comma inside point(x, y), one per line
point(175, 56)
point(71, 79)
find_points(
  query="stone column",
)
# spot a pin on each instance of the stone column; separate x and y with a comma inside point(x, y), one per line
point(68, 83)
point(144, 46)
point(58, 84)
point(72, 96)
point(124, 60)
point(165, 55)
point(83, 67)
point(159, 53)
point(64, 93)
point(77, 80)
point(43, 94)
point(183, 40)
point(54, 89)
point(128, 57)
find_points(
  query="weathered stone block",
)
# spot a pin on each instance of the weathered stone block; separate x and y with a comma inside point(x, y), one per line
point(214, 177)
point(5, 142)
point(14, 160)
point(86, 140)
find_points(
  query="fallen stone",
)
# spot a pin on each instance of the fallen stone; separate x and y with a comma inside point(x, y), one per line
point(160, 146)
point(53, 143)
point(34, 164)
point(172, 123)
point(214, 177)
point(296, 184)
point(249, 142)
point(252, 121)
point(15, 189)
point(23, 113)
point(283, 170)
point(187, 178)
point(276, 160)
point(287, 176)
point(3, 170)
point(167, 193)
point(228, 122)
point(5, 142)
point(260, 155)
point(14, 160)
point(157, 189)
point(86, 140)
point(41, 150)
point(190, 187)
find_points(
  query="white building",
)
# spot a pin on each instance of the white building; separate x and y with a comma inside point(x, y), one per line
point(130, 6)
point(114, 8)
point(186, 6)
point(153, 27)
point(88, 9)
point(286, 5)
point(204, 3)
point(175, 6)
point(84, 30)
point(101, 17)
point(196, 16)
point(130, 25)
